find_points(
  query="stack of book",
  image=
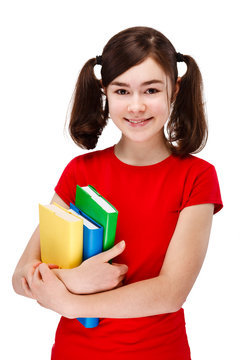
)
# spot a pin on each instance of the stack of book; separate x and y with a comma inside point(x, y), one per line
point(68, 237)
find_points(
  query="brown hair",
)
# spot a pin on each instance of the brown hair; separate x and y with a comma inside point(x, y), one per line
point(187, 127)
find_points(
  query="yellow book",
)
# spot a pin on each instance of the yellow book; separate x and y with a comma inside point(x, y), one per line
point(61, 236)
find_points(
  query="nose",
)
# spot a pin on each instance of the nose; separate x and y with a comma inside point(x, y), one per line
point(136, 105)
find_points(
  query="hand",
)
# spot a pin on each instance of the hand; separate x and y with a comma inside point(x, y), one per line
point(29, 271)
point(48, 290)
point(95, 274)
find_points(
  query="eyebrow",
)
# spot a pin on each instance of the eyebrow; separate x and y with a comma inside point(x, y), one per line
point(149, 82)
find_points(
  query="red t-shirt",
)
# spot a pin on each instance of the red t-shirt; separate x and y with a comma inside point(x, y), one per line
point(149, 200)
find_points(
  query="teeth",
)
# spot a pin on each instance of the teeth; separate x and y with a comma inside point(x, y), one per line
point(136, 122)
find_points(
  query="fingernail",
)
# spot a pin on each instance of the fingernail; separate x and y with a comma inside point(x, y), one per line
point(122, 243)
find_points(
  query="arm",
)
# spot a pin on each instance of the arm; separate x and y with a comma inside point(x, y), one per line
point(31, 256)
point(167, 292)
point(162, 294)
point(93, 275)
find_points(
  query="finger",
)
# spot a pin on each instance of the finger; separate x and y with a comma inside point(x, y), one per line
point(52, 266)
point(122, 267)
point(119, 284)
point(121, 278)
point(113, 252)
point(29, 276)
point(45, 273)
point(36, 265)
point(36, 277)
point(26, 288)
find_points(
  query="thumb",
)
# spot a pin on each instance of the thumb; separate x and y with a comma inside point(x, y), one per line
point(45, 272)
point(113, 252)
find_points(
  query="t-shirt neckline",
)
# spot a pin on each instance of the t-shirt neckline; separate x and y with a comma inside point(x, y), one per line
point(150, 166)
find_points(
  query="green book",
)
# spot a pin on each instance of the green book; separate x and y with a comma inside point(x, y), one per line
point(99, 209)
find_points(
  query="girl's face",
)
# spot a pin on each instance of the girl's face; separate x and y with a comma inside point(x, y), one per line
point(139, 101)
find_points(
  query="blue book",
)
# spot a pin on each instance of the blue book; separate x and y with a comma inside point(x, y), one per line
point(92, 245)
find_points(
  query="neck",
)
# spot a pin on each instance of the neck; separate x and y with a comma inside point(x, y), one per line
point(141, 154)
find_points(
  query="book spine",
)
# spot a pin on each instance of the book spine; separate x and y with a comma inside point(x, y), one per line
point(92, 245)
point(89, 323)
point(110, 231)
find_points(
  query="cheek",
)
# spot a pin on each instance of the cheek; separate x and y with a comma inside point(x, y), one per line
point(161, 108)
point(115, 108)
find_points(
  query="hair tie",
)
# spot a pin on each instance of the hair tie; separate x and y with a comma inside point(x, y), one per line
point(179, 57)
point(99, 60)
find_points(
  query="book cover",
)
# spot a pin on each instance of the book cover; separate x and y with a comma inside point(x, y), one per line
point(99, 209)
point(61, 236)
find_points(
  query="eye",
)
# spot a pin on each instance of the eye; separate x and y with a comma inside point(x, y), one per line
point(152, 91)
point(121, 91)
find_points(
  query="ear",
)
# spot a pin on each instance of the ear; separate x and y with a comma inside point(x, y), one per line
point(177, 88)
point(104, 89)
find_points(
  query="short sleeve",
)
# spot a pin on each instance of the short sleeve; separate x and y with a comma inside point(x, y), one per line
point(66, 186)
point(202, 187)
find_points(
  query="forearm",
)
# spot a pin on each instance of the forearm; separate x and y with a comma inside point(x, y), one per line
point(140, 299)
point(67, 276)
point(95, 274)
point(30, 257)
point(16, 283)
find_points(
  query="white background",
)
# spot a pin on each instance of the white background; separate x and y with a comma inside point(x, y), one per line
point(43, 46)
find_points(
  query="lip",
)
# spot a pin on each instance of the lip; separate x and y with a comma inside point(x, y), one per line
point(138, 122)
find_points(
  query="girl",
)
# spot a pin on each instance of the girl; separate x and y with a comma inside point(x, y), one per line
point(165, 197)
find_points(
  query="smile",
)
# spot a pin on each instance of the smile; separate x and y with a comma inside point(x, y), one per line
point(139, 121)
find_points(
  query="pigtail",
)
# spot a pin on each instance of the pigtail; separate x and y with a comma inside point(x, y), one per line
point(88, 117)
point(187, 127)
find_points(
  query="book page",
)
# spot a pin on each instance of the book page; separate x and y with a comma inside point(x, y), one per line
point(61, 213)
point(99, 200)
point(86, 222)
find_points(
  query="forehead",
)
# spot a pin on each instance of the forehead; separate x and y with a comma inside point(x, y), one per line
point(147, 70)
